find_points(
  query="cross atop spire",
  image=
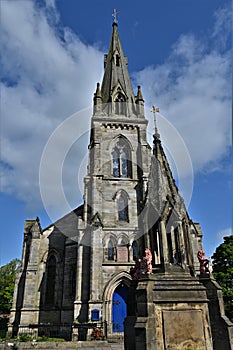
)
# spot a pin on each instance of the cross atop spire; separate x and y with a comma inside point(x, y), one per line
point(115, 12)
point(154, 111)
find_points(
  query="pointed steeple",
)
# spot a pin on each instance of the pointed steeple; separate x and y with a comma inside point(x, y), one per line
point(116, 85)
point(164, 169)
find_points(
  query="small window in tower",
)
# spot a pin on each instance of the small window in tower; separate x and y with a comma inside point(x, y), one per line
point(118, 60)
point(110, 250)
point(123, 213)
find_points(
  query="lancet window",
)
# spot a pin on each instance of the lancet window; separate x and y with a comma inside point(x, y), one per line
point(110, 250)
point(135, 250)
point(121, 157)
point(51, 280)
point(122, 205)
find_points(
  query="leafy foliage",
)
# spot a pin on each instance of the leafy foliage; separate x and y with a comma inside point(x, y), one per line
point(7, 283)
point(223, 272)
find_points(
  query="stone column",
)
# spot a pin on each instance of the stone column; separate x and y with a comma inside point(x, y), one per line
point(182, 244)
point(130, 253)
point(158, 256)
point(164, 241)
point(77, 303)
point(96, 263)
point(173, 243)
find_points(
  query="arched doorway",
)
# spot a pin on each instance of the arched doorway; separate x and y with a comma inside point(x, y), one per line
point(119, 308)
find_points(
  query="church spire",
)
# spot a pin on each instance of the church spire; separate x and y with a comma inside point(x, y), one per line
point(116, 85)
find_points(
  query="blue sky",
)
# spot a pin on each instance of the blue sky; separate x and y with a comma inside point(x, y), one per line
point(52, 57)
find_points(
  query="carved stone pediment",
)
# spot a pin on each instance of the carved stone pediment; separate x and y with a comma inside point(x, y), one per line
point(96, 220)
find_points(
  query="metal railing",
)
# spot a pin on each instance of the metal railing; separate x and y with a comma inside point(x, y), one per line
point(84, 331)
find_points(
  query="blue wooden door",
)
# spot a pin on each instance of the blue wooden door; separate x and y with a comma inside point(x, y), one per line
point(119, 308)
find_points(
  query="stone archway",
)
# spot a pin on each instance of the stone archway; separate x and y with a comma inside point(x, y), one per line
point(116, 293)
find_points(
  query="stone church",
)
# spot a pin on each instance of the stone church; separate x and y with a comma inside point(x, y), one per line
point(77, 272)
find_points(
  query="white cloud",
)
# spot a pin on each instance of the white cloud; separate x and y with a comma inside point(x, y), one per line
point(193, 90)
point(223, 25)
point(48, 74)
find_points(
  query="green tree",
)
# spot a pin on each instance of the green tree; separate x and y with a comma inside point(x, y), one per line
point(7, 283)
point(223, 272)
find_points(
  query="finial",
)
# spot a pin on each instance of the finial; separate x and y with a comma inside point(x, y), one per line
point(98, 91)
point(154, 111)
point(139, 94)
point(115, 12)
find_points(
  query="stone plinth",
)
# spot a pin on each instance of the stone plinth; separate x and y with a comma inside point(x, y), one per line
point(221, 326)
point(171, 313)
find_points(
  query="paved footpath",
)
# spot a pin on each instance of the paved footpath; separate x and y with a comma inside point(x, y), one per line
point(81, 345)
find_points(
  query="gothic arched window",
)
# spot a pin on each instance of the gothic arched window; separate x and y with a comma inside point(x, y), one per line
point(121, 157)
point(122, 206)
point(51, 280)
point(72, 281)
point(119, 103)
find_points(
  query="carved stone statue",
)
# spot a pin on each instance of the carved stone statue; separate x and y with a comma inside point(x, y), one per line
point(204, 262)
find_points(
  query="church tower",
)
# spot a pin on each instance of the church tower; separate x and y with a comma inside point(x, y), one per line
point(118, 171)
point(89, 267)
